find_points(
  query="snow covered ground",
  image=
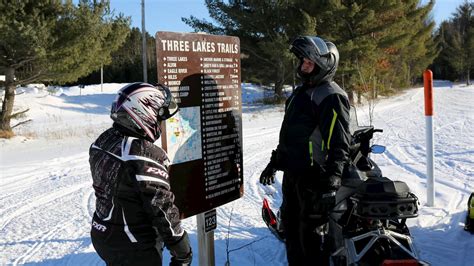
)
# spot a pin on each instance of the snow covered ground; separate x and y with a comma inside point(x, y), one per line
point(46, 198)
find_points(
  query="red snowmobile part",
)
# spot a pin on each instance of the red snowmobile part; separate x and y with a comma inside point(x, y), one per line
point(270, 216)
point(271, 221)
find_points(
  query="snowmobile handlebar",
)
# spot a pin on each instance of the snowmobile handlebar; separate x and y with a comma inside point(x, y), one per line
point(365, 133)
point(361, 140)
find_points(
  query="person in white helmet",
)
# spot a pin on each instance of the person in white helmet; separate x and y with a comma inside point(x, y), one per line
point(135, 215)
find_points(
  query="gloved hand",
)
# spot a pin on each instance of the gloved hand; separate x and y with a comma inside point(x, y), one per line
point(181, 254)
point(268, 175)
point(328, 199)
point(182, 261)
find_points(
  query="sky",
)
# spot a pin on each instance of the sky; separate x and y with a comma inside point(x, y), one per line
point(165, 15)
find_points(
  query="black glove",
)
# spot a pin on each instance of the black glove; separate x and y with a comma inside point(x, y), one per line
point(181, 254)
point(182, 261)
point(268, 175)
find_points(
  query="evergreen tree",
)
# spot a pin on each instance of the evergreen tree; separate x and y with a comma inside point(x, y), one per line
point(382, 44)
point(357, 29)
point(441, 66)
point(461, 42)
point(456, 37)
point(126, 64)
point(421, 50)
point(374, 38)
point(265, 29)
point(55, 41)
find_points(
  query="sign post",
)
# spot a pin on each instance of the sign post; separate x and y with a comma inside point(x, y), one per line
point(203, 140)
point(428, 82)
point(206, 223)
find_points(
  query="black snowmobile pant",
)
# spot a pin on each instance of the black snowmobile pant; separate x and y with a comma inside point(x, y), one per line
point(304, 246)
point(119, 257)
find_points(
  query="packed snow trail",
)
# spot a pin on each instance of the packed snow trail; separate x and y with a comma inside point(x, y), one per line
point(46, 198)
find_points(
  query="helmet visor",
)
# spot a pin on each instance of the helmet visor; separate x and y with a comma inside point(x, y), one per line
point(313, 48)
point(170, 107)
point(173, 107)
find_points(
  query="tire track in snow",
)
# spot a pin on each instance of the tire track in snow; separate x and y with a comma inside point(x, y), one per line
point(420, 174)
point(260, 147)
point(39, 201)
point(40, 244)
point(439, 232)
point(445, 225)
point(62, 231)
point(15, 184)
point(261, 132)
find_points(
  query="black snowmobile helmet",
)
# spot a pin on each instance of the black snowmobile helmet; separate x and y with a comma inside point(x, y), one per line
point(323, 53)
point(140, 107)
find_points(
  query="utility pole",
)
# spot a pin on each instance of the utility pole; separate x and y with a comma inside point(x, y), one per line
point(145, 79)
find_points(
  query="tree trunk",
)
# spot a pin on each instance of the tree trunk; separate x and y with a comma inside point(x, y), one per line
point(468, 78)
point(279, 82)
point(7, 106)
point(279, 89)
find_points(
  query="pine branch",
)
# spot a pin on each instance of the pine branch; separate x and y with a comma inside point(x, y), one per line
point(19, 113)
point(23, 62)
point(30, 79)
point(254, 53)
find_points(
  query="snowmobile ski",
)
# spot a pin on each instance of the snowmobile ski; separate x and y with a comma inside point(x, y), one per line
point(272, 221)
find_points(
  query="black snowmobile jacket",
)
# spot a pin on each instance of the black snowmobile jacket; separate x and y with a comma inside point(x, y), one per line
point(134, 204)
point(314, 136)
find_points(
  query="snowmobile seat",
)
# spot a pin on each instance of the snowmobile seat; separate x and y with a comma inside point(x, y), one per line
point(382, 198)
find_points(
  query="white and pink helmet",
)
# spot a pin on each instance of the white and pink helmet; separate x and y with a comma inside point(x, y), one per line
point(140, 107)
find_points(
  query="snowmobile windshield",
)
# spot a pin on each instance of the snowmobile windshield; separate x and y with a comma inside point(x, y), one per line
point(354, 122)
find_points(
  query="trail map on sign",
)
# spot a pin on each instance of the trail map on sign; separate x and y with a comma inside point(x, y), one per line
point(183, 131)
point(204, 139)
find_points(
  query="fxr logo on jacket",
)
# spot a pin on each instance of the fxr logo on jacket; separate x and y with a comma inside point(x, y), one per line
point(157, 171)
point(99, 227)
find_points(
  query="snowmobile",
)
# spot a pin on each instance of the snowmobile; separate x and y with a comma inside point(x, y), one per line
point(368, 224)
point(469, 225)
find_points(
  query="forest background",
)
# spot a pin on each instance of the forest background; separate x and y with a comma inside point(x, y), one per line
point(384, 45)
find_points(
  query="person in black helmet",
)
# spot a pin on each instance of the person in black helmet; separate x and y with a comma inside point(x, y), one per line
point(135, 214)
point(312, 151)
